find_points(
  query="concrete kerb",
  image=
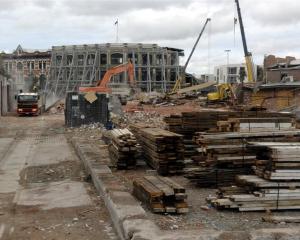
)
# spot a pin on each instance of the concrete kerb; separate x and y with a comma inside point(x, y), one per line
point(130, 220)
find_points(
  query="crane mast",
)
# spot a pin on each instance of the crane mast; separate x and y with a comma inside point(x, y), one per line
point(248, 55)
point(180, 79)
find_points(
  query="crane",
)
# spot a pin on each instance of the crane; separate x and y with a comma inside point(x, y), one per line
point(179, 80)
point(102, 85)
point(248, 55)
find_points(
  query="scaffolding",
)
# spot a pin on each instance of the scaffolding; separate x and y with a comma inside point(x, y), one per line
point(156, 68)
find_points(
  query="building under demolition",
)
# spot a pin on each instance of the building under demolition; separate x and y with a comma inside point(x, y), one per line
point(27, 67)
point(156, 68)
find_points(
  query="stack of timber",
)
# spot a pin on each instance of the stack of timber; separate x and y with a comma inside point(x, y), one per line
point(163, 150)
point(223, 156)
point(254, 193)
point(161, 194)
point(214, 177)
point(188, 123)
point(277, 161)
point(276, 185)
point(123, 148)
point(256, 124)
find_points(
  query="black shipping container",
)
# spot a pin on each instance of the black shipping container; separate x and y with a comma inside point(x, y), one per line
point(79, 111)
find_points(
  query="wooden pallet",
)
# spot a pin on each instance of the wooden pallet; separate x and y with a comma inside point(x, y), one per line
point(161, 194)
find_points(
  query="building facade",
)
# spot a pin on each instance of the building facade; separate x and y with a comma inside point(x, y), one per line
point(281, 69)
point(27, 67)
point(156, 68)
point(232, 73)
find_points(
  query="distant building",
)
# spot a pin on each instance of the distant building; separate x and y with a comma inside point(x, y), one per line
point(281, 69)
point(207, 77)
point(156, 68)
point(24, 65)
point(231, 73)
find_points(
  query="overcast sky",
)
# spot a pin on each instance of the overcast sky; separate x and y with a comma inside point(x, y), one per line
point(272, 26)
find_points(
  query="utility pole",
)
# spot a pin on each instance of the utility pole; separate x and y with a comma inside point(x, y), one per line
point(227, 71)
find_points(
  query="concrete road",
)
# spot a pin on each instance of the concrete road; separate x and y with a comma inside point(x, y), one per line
point(43, 192)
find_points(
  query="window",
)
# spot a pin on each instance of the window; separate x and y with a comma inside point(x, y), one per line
point(58, 59)
point(133, 58)
point(116, 58)
point(69, 60)
point(144, 59)
point(41, 65)
point(80, 60)
point(44, 65)
point(232, 70)
point(103, 59)
point(173, 59)
point(173, 76)
point(91, 59)
point(159, 59)
point(19, 66)
point(32, 65)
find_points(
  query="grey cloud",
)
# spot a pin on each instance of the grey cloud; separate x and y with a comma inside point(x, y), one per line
point(117, 7)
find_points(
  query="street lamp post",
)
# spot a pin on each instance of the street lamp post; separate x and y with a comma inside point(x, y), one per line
point(227, 72)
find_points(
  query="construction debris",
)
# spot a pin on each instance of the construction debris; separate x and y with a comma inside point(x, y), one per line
point(281, 219)
point(163, 150)
point(161, 194)
point(123, 148)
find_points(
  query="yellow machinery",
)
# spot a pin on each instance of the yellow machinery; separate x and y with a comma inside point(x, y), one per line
point(225, 92)
point(248, 55)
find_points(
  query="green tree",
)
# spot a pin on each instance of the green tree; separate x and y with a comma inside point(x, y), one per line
point(242, 74)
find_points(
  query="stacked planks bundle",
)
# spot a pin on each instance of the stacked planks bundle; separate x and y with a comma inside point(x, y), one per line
point(161, 194)
point(257, 194)
point(163, 150)
point(223, 156)
point(188, 123)
point(123, 148)
point(256, 124)
point(276, 185)
point(277, 161)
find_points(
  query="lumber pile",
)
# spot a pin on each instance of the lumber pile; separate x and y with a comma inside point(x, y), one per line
point(223, 156)
point(256, 124)
point(123, 148)
point(258, 194)
point(161, 194)
point(214, 177)
point(189, 123)
point(163, 150)
point(277, 161)
point(276, 185)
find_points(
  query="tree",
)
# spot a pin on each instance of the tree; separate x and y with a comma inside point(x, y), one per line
point(242, 74)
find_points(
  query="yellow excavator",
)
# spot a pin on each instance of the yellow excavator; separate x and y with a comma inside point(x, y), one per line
point(224, 93)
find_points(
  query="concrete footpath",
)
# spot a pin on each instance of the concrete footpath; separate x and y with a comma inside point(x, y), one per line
point(129, 218)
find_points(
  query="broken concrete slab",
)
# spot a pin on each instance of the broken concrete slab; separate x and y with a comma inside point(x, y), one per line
point(63, 194)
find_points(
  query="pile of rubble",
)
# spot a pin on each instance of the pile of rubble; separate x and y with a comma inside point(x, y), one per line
point(150, 118)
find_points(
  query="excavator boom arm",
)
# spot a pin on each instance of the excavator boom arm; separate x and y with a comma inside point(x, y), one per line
point(102, 85)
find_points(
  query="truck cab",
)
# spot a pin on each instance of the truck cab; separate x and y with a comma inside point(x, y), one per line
point(29, 104)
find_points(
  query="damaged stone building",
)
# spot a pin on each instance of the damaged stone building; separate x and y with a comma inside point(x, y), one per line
point(156, 68)
point(27, 67)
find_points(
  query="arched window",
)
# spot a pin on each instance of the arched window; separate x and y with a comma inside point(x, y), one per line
point(19, 66)
point(103, 59)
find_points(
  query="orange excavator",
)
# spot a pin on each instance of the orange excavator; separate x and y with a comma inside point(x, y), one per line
point(102, 85)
